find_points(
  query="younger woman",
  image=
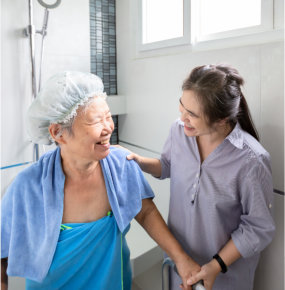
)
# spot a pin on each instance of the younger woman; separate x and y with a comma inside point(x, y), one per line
point(221, 183)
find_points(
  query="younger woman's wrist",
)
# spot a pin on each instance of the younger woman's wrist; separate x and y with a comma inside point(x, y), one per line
point(215, 266)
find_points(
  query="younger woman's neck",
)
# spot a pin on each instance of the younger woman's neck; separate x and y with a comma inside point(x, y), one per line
point(216, 136)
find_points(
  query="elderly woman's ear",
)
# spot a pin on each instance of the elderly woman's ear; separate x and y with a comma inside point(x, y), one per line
point(56, 133)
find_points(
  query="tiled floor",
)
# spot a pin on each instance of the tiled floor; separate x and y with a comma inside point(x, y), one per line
point(149, 280)
point(135, 286)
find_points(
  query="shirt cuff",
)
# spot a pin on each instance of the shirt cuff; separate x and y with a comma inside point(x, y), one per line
point(242, 244)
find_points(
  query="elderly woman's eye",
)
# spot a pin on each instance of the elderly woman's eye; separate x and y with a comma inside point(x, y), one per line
point(93, 122)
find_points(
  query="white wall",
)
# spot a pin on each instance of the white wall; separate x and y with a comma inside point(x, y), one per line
point(152, 86)
point(67, 47)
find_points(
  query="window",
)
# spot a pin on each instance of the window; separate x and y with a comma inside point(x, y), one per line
point(162, 19)
point(217, 19)
point(223, 15)
point(165, 23)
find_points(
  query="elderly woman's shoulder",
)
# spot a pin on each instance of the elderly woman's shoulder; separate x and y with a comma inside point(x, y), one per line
point(118, 152)
point(35, 170)
point(119, 164)
point(118, 156)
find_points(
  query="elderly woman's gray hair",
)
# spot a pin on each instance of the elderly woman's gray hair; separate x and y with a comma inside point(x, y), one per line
point(58, 103)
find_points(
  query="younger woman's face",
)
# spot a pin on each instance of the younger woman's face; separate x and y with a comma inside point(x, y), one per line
point(192, 115)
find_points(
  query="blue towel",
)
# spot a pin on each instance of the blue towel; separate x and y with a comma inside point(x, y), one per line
point(32, 209)
point(89, 256)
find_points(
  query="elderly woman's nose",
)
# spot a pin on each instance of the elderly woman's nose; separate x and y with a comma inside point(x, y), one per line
point(108, 125)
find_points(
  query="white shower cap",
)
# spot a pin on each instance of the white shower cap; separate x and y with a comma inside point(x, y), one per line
point(58, 101)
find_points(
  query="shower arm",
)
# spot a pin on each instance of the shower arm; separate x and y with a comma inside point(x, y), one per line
point(43, 32)
point(30, 32)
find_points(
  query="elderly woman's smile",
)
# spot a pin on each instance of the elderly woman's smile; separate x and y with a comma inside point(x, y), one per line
point(91, 132)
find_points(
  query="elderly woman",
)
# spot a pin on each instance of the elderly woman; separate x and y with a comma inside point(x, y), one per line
point(64, 219)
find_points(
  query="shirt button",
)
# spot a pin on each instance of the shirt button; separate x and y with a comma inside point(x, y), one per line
point(197, 175)
point(194, 185)
point(270, 205)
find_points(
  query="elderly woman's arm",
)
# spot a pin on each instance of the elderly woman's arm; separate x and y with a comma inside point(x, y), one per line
point(151, 220)
point(4, 277)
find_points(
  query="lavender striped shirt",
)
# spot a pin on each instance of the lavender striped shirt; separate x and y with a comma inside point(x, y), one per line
point(229, 195)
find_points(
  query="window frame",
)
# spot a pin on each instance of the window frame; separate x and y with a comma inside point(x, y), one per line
point(270, 30)
point(185, 39)
point(267, 9)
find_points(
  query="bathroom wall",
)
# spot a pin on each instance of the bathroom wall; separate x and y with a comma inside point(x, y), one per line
point(152, 83)
point(67, 47)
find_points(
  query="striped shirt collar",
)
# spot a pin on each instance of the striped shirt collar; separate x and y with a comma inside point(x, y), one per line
point(236, 136)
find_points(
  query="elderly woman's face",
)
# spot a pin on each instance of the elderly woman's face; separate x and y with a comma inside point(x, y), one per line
point(92, 130)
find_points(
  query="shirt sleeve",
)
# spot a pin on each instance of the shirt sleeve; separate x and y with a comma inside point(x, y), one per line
point(256, 229)
point(165, 158)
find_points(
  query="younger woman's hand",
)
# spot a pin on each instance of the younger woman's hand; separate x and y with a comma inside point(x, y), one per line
point(131, 156)
point(208, 274)
point(148, 165)
point(134, 156)
point(187, 268)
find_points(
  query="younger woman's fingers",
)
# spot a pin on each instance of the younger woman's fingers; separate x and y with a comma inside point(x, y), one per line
point(195, 278)
point(131, 156)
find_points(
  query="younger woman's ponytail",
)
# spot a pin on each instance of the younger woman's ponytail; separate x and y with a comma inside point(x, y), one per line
point(245, 120)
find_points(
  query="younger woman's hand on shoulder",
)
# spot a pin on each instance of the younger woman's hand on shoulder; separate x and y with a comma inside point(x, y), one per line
point(131, 156)
point(135, 157)
point(148, 165)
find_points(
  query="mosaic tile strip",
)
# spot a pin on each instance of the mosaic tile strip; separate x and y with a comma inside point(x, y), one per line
point(103, 48)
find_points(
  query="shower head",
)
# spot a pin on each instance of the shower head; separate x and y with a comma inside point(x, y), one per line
point(50, 6)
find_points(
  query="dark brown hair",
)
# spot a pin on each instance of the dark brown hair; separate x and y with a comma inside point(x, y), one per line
point(218, 88)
